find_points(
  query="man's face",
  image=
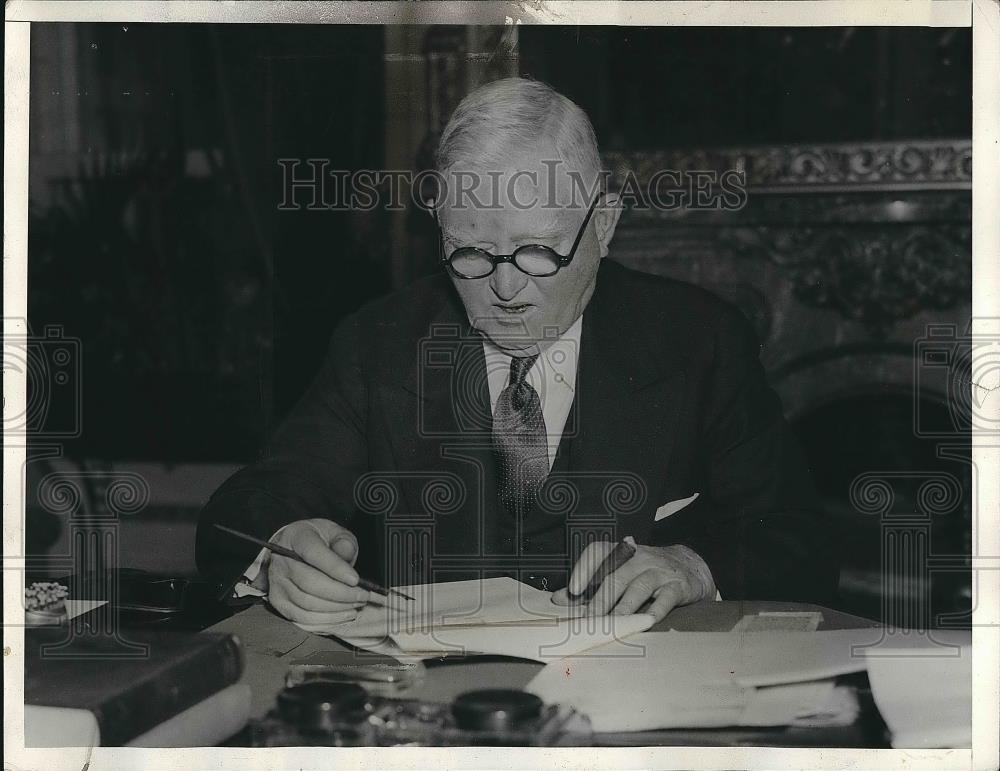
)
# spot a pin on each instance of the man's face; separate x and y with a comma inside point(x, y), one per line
point(515, 310)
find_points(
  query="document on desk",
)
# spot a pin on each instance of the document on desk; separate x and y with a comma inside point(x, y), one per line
point(709, 679)
point(497, 616)
point(922, 685)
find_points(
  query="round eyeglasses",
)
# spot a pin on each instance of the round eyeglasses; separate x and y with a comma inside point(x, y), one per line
point(534, 259)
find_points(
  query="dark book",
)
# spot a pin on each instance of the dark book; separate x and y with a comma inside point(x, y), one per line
point(129, 694)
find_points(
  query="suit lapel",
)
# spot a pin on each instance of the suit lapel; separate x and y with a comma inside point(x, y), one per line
point(629, 392)
point(445, 399)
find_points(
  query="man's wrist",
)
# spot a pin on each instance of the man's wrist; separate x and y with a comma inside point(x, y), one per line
point(255, 576)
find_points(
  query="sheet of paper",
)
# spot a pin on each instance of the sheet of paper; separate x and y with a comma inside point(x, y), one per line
point(776, 658)
point(703, 679)
point(498, 616)
point(759, 658)
point(631, 695)
point(541, 642)
point(683, 703)
point(922, 686)
point(453, 604)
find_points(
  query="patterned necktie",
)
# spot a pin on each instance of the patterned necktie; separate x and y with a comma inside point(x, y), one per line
point(519, 440)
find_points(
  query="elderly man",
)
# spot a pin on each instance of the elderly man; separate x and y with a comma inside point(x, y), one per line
point(526, 408)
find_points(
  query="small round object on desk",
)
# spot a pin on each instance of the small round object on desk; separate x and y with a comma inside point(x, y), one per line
point(496, 709)
point(319, 706)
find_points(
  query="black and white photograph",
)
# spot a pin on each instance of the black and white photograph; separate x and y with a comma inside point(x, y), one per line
point(613, 383)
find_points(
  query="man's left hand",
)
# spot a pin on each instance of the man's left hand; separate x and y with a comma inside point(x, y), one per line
point(669, 575)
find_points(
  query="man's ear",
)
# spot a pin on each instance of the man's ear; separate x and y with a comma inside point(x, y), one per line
point(606, 215)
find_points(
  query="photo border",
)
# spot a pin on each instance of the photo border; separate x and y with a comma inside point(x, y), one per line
point(984, 18)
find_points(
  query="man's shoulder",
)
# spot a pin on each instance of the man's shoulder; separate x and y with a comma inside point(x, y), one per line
point(671, 322)
point(641, 284)
point(412, 307)
point(665, 304)
point(388, 329)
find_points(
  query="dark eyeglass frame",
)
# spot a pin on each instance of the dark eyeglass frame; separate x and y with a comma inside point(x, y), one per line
point(561, 261)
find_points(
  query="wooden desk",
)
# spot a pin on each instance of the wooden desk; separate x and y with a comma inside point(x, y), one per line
point(272, 643)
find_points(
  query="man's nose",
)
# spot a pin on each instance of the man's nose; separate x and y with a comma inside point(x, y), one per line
point(507, 281)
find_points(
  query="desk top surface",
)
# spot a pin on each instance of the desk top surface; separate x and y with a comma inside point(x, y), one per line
point(272, 644)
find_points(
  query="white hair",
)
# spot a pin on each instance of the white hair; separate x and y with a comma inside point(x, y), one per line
point(505, 119)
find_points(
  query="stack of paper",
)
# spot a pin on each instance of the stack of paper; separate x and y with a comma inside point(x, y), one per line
point(497, 616)
point(922, 685)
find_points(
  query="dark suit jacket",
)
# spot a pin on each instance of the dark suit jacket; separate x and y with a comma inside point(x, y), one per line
point(392, 440)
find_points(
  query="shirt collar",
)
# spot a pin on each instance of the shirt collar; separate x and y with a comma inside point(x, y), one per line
point(557, 363)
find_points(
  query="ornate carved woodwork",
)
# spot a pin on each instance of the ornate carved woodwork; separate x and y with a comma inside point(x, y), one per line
point(836, 247)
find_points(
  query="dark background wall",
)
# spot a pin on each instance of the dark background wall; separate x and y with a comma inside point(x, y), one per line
point(156, 238)
point(648, 88)
point(201, 309)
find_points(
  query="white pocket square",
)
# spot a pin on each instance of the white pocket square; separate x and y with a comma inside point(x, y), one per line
point(673, 507)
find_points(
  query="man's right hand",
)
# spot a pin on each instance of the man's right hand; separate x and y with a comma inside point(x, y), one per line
point(321, 595)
